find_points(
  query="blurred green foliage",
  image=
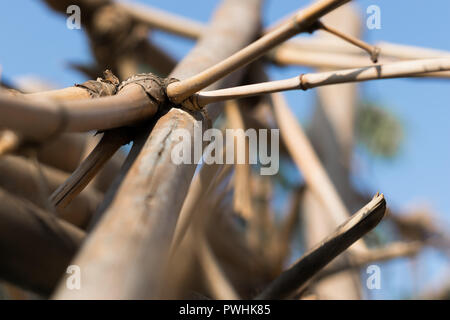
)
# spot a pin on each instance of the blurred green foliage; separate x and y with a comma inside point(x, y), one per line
point(378, 130)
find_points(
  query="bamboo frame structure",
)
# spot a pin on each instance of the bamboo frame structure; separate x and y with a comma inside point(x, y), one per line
point(158, 240)
point(165, 217)
point(302, 22)
point(300, 51)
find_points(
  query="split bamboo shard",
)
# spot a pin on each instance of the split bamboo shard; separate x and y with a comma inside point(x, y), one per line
point(135, 232)
point(318, 257)
point(302, 22)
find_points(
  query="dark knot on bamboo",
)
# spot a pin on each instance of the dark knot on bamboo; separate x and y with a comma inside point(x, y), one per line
point(102, 87)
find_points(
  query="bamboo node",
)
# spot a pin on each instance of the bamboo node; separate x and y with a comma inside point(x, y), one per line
point(302, 82)
point(154, 86)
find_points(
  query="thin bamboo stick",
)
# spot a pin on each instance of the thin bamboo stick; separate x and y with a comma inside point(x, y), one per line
point(302, 22)
point(192, 29)
point(372, 50)
point(318, 257)
point(313, 80)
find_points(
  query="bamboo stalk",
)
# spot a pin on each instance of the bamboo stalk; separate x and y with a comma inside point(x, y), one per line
point(21, 177)
point(302, 22)
point(43, 246)
point(314, 260)
point(242, 198)
point(64, 152)
point(160, 19)
point(371, 50)
point(216, 278)
point(310, 46)
point(129, 106)
point(109, 144)
point(154, 189)
point(65, 94)
point(387, 49)
point(309, 164)
point(313, 80)
point(200, 186)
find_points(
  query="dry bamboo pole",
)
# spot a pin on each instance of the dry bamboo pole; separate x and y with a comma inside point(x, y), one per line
point(111, 141)
point(21, 177)
point(299, 51)
point(65, 94)
point(302, 22)
point(318, 257)
point(145, 236)
point(372, 50)
point(314, 80)
point(64, 152)
point(105, 177)
point(286, 230)
point(130, 105)
point(87, 90)
point(387, 49)
point(201, 184)
point(242, 198)
point(334, 119)
point(160, 62)
point(216, 278)
point(35, 248)
point(116, 39)
point(285, 55)
point(160, 19)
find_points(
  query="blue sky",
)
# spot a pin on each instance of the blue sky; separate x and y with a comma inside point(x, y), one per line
point(36, 42)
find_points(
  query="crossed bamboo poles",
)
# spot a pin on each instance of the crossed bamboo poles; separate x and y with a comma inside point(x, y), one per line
point(132, 104)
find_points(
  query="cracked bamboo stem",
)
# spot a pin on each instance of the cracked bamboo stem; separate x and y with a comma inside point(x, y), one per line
point(318, 257)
